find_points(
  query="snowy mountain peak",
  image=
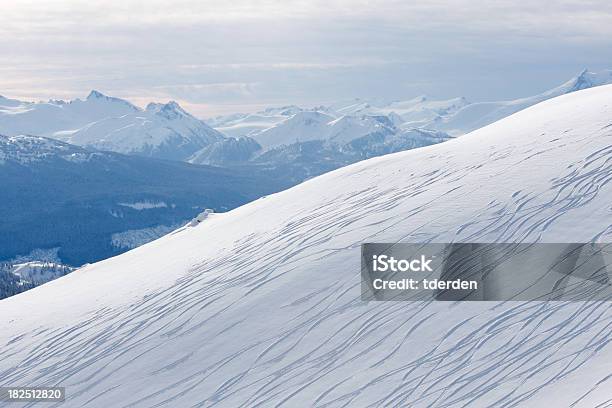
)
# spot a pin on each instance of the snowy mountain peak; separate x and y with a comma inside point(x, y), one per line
point(312, 125)
point(8, 103)
point(301, 127)
point(170, 110)
point(308, 117)
point(362, 120)
point(162, 130)
point(585, 79)
point(108, 123)
point(476, 115)
point(588, 79)
point(287, 110)
point(96, 95)
point(384, 120)
point(455, 115)
point(420, 99)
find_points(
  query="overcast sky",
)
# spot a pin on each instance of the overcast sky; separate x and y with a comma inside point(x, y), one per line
point(226, 56)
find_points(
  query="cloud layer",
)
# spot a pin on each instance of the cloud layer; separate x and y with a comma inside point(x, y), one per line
point(219, 56)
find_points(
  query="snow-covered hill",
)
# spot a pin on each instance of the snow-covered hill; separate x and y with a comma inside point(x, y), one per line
point(476, 115)
point(261, 306)
point(55, 117)
point(237, 125)
point(459, 116)
point(101, 122)
point(303, 126)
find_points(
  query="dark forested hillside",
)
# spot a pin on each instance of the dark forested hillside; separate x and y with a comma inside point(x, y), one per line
point(58, 195)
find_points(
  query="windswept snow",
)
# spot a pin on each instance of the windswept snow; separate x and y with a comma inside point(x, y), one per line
point(261, 306)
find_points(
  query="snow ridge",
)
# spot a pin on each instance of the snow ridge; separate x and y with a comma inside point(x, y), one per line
point(455, 116)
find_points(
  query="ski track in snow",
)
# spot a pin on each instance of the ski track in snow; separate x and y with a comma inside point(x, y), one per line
point(208, 340)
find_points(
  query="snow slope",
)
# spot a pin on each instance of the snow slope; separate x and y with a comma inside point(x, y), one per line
point(301, 127)
point(58, 117)
point(238, 124)
point(476, 115)
point(312, 125)
point(260, 306)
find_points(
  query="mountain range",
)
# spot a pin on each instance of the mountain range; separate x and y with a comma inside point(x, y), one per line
point(96, 160)
point(105, 123)
point(169, 132)
point(455, 116)
point(261, 306)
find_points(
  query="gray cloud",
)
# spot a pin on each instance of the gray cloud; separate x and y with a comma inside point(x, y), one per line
point(219, 56)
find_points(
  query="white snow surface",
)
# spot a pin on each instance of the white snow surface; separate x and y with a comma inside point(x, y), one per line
point(39, 272)
point(249, 124)
point(243, 124)
point(261, 306)
point(475, 115)
point(416, 112)
point(48, 118)
point(157, 125)
point(301, 127)
point(312, 125)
